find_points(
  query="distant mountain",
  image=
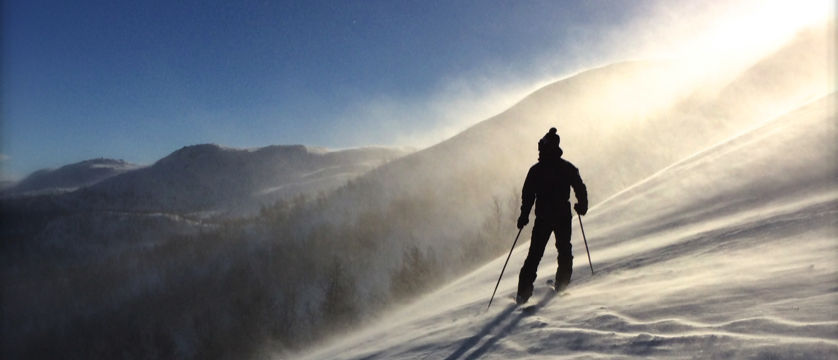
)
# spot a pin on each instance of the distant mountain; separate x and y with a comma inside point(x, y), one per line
point(5, 184)
point(212, 178)
point(70, 177)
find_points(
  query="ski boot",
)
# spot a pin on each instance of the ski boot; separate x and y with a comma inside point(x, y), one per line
point(523, 295)
point(562, 280)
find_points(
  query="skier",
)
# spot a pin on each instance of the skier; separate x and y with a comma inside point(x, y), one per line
point(548, 182)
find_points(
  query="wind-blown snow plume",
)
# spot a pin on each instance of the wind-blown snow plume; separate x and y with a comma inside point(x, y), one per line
point(729, 253)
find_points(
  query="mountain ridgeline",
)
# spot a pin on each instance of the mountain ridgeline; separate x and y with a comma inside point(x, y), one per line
point(70, 177)
point(210, 178)
point(84, 280)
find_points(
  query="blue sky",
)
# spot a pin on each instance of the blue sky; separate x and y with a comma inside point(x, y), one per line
point(136, 80)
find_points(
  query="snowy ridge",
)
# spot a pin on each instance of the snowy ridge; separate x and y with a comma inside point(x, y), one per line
point(719, 256)
point(618, 124)
point(69, 177)
point(213, 178)
point(699, 154)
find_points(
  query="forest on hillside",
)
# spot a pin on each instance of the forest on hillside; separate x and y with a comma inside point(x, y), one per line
point(223, 288)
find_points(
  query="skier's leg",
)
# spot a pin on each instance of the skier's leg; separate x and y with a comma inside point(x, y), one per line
point(540, 235)
point(563, 245)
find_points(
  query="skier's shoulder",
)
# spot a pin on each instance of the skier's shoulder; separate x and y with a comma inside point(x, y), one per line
point(559, 164)
point(568, 165)
point(536, 168)
point(552, 165)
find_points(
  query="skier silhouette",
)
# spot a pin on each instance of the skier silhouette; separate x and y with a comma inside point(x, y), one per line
point(548, 186)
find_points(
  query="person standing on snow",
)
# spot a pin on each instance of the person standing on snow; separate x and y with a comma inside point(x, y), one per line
point(548, 186)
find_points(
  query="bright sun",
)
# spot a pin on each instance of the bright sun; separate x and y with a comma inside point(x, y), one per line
point(765, 23)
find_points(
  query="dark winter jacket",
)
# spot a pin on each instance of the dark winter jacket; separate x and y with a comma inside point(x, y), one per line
point(548, 183)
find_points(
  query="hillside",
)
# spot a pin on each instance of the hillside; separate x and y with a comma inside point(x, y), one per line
point(730, 253)
point(69, 177)
point(214, 179)
point(618, 124)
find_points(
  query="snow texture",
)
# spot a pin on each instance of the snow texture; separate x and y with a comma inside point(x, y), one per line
point(730, 253)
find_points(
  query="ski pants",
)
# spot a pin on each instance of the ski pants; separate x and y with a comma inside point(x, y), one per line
point(544, 226)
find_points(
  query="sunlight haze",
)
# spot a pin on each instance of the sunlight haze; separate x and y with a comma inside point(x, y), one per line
point(136, 82)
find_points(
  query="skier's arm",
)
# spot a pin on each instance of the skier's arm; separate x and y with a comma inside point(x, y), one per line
point(581, 192)
point(527, 196)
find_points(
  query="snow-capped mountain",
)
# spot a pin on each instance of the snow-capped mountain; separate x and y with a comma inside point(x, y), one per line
point(730, 253)
point(70, 177)
point(213, 178)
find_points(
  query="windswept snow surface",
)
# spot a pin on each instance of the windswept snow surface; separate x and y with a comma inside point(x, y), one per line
point(730, 253)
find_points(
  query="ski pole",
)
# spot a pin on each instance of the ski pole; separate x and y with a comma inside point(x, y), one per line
point(586, 243)
point(504, 267)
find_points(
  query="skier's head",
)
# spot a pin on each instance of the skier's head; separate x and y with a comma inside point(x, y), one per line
point(548, 146)
point(550, 141)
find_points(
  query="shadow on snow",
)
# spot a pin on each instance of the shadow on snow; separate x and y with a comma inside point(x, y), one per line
point(507, 329)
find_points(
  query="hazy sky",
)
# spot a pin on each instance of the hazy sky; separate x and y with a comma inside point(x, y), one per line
point(137, 80)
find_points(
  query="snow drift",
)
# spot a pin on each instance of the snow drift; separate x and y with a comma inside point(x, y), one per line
point(730, 253)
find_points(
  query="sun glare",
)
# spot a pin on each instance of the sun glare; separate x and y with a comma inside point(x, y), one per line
point(767, 25)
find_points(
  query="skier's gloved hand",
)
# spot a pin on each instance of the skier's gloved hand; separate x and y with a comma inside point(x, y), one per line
point(581, 208)
point(523, 220)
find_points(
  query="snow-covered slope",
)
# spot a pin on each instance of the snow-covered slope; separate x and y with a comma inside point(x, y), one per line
point(70, 177)
point(618, 124)
point(214, 178)
point(730, 253)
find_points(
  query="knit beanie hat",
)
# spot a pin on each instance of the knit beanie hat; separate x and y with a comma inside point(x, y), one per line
point(550, 141)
